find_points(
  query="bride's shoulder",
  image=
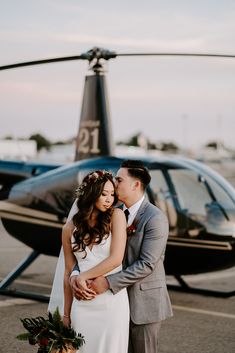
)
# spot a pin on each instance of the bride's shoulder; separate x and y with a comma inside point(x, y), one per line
point(118, 213)
point(118, 222)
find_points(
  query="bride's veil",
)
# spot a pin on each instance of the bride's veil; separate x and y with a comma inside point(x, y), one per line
point(57, 292)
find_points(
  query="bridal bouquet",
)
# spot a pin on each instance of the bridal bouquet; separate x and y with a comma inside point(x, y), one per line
point(50, 334)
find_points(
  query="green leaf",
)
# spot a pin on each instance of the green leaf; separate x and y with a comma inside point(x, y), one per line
point(23, 336)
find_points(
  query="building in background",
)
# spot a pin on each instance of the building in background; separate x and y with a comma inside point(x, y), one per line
point(18, 149)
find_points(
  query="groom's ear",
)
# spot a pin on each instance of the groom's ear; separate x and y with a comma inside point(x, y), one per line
point(137, 184)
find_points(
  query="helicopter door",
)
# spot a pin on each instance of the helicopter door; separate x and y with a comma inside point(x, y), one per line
point(162, 198)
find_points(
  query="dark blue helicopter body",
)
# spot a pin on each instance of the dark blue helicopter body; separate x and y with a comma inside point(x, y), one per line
point(36, 209)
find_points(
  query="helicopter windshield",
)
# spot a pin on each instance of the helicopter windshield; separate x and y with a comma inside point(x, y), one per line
point(202, 198)
point(192, 202)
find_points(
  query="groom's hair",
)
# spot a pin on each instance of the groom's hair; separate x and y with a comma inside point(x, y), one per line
point(137, 170)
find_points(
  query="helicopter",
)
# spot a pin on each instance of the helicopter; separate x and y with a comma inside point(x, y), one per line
point(35, 199)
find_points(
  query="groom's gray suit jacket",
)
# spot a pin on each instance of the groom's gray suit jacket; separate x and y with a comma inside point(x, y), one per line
point(143, 272)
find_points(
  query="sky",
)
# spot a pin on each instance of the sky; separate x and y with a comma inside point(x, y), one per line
point(189, 101)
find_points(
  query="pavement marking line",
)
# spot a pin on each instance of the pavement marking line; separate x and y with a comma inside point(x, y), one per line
point(205, 312)
point(16, 301)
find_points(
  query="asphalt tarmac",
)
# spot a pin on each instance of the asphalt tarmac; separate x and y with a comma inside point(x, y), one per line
point(201, 324)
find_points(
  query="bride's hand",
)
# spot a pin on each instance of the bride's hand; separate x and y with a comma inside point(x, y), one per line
point(81, 283)
point(82, 290)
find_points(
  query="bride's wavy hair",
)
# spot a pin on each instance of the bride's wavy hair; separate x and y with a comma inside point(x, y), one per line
point(87, 194)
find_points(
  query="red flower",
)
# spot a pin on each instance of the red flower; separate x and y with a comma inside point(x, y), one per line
point(43, 341)
point(100, 173)
point(131, 230)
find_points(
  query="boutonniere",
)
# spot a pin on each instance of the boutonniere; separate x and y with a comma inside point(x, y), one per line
point(131, 230)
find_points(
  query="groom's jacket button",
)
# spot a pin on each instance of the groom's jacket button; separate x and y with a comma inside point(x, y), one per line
point(152, 284)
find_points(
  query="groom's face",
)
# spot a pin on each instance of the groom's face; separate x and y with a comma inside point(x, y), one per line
point(124, 184)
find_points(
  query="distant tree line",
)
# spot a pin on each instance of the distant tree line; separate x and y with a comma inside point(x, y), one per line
point(136, 140)
point(42, 141)
point(139, 140)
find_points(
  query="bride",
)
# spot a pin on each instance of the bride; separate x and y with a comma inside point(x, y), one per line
point(94, 238)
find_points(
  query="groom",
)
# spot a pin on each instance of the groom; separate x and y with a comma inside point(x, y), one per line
point(143, 271)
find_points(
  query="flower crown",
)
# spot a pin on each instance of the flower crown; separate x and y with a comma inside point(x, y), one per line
point(91, 179)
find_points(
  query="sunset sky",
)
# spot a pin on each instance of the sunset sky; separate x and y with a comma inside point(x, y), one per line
point(187, 100)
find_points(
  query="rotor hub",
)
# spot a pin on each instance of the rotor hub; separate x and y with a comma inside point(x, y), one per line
point(95, 55)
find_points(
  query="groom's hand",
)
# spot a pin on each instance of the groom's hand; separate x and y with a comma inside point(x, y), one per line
point(99, 285)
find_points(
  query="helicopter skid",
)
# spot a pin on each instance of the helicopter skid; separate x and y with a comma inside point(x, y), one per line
point(184, 287)
point(7, 281)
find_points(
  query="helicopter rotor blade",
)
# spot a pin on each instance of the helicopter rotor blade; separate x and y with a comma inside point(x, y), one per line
point(92, 54)
point(179, 54)
point(99, 53)
point(44, 61)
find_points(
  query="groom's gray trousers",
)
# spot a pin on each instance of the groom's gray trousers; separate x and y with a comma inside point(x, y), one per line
point(144, 338)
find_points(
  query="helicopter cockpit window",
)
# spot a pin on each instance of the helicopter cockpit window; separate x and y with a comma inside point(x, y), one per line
point(163, 198)
point(200, 196)
point(221, 195)
point(192, 195)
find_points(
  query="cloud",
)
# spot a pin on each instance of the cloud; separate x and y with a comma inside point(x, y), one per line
point(132, 42)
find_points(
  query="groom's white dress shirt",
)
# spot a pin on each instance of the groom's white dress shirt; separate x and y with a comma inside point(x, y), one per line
point(133, 210)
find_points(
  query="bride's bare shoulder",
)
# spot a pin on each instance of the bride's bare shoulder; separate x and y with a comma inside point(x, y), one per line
point(118, 213)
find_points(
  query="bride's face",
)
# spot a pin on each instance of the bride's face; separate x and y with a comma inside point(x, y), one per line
point(106, 199)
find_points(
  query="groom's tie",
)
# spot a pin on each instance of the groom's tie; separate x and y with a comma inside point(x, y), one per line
point(127, 214)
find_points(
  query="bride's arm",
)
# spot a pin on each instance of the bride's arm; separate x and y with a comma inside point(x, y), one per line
point(117, 248)
point(70, 261)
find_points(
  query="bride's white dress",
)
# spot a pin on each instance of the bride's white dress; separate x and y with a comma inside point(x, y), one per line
point(103, 321)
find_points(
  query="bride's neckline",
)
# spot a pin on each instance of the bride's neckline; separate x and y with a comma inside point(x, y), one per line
point(91, 246)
